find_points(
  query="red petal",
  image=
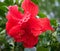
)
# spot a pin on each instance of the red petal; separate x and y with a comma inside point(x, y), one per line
point(9, 25)
point(35, 26)
point(30, 7)
point(16, 33)
point(14, 12)
point(45, 24)
point(14, 30)
point(30, 40)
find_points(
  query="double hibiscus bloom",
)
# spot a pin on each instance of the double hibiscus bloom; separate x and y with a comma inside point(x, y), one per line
point(25, 27)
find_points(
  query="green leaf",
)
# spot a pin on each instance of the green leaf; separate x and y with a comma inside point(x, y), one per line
point(42, 49)
point(35, 1)
point(41, 15)
point(54, 23)
point(3, 10)
point(9, 2)
point(2, 4)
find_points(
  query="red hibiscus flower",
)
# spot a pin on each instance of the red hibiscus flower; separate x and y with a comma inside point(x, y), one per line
point(26, 27)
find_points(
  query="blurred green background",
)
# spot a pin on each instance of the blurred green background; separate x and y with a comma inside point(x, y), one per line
point(48, 41)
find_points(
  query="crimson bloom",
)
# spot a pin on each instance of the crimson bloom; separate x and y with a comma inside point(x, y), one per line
point(25, 27)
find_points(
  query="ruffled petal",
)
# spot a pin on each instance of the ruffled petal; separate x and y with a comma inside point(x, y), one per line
point(16, 33)
point(35, 26)
point(13, 13)
point(30, 41)
point(9, 25)
point(14, 30)
point(30, 7)
point(45, 24)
